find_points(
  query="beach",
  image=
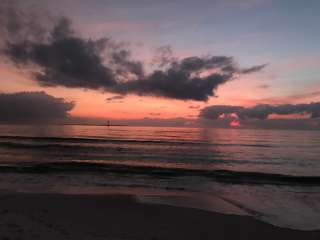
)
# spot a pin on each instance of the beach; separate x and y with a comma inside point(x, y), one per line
point(66, 216)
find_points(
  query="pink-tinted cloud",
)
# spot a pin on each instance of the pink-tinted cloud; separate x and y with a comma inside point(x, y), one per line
point(294, 98)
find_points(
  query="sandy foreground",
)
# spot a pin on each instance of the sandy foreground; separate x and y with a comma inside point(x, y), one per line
point(59, 216)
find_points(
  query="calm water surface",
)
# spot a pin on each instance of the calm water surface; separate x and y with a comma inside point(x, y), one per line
point(272, 175)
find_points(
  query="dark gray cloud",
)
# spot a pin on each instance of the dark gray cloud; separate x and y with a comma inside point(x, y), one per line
point(214, 112)
point(126, 67)
point(194, 107)
point(116, 98)
point(61, 57)
point(64, 59)
point(32, 107)
point(17, 24)
point(261, 111)
point(254, 69)
point(174, 84)
point(163, 56)
point(192, 78)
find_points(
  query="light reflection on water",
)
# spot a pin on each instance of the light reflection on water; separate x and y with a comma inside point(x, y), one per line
point(240, 150)
point(285, 152)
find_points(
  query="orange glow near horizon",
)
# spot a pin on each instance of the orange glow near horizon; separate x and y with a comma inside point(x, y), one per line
point(235, 123)
point(289, 116)
point(93, 104)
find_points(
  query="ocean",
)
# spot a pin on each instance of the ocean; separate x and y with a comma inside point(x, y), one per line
point(271, 175)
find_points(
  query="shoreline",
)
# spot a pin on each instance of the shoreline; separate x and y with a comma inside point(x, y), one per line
point(117, 216)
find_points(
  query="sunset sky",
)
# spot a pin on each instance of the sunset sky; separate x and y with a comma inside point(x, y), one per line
point(282, 37)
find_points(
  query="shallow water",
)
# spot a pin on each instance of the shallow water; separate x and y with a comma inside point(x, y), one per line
point(271, 175)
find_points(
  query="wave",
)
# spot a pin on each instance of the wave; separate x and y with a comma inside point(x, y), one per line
point(24, 141)
point(226, 176)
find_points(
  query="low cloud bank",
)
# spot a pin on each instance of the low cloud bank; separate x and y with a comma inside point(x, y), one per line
point(32, 107)
point(261, 112)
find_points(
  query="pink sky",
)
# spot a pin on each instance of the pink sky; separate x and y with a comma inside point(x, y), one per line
point(286, 79)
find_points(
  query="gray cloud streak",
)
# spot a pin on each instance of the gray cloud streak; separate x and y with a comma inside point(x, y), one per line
point(117, 99)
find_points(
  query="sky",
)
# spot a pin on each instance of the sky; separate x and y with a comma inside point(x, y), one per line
point(149, 65)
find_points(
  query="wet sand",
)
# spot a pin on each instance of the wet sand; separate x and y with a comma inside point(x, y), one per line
point(119, 217)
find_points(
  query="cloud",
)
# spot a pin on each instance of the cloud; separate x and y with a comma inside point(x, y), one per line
point(154, 114)
point(214, 112)
point(264, 86)
point(194, 107)
point(64, 59)
point(191, 78)
point(312, 96)
point(116, 98)
point(59, 56)
point(125, 66)
point(254, 69)
point(32, 107)
point(304, 96)
point(261, 111)
point(163, 56)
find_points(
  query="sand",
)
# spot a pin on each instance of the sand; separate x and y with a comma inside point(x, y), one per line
point(60, 216)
